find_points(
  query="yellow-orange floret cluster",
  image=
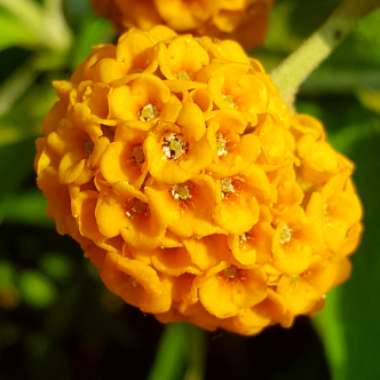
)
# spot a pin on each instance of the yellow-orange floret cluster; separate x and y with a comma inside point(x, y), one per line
point(193, 188)
point(243, 20)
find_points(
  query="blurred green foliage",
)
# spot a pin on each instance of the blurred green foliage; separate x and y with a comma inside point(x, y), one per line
point(56, 319)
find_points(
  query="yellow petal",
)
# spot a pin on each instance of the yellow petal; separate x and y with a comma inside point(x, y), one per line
point(192, 121)
point(111, 164)
point(83, 208)
point(137, 283)
point(121, 103)
point(298, 296)
point(110, 216)
point(225, 297)
point(174, 262)
point(237, 216)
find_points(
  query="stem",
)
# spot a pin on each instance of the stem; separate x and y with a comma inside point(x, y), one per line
point(170, 357)
point(295, 69)
point(196, 353)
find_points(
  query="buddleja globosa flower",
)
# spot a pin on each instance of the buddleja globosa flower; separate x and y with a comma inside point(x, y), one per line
point(244, 20)
point(193, 188)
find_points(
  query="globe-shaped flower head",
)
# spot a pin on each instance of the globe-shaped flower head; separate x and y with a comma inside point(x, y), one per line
point(192, 187)
point(244, 20)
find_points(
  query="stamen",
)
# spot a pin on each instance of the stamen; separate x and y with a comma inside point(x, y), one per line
point(148, 113)
point(174, 146)
point(286, 235)
point(88, 146)
point(226, 186)
point(229, 99)
point(221, 143)
point(243, 239)
point(181, 192)
point(136, 207)
point(231, 272)
point(138, 154)
point(183, 75)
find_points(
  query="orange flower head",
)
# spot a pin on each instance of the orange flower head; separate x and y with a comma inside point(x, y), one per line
point(243, 20)
point(191, 186)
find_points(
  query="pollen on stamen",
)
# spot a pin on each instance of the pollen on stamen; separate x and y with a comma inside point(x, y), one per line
point(138, 154)
point(226, 186)
point(183, 75)
point(325, 209)
point(181, 192)
point(136, 207)
point(148, 112)
point(243, 239)
point(88, 146)
point(221, 143)
point(286, 235)
point(174, 146)
point(229, 99)
point(231, 272)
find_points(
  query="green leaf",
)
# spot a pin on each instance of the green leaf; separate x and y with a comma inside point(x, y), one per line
point(293, 20)
point(27, 208)
point(329, 323)
point(363, 47)
point(77, 12)
point(55, 26)
point(16, 163)
point(349, 322)
point(340, 80)
point(29, 12)
point(23, 120)
point(15, 85)
point(14, 32)
point(370, 99)
point(94, 30)
point(36, 289)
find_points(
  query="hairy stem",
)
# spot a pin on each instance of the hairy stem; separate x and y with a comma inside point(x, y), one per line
point(295, 69)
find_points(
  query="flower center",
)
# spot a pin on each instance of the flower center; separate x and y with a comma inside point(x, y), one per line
point(286, 235)
point(138, 154)
point(325, 209)
point(148, 112)
point(183, 75)
point(88, 146)
point(136, 207)
point(226, 187)
point(181, 192)
point(221, 143)
point(174, 146)
point(229, 100)
point(243, 239)
point(231, 272)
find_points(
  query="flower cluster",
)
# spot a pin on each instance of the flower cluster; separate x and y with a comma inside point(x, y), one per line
point(197, 193)
point(243, 20)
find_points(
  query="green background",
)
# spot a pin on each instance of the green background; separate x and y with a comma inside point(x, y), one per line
point(56, 318)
